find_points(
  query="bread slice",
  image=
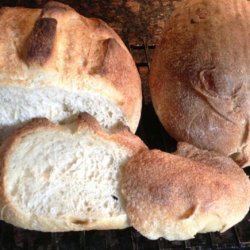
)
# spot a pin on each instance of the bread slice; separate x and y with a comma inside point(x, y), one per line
point(19, 105)
point(64, 177)
point(55, 63)
point(175, 197)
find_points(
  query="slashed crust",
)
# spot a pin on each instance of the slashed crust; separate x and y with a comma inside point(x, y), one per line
point(57, 47)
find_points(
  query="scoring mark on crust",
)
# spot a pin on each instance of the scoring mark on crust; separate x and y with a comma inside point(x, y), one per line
point(41, 41)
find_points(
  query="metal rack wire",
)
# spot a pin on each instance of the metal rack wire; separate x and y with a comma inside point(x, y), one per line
point(151, 131)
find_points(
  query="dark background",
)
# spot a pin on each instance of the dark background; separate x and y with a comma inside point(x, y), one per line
point(131, 18)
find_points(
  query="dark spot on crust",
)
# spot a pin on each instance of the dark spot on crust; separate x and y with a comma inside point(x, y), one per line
point(245, 135)
point(116, 66)
point(208, 81)
point(239, 158)
point(41, 41)
point(111, 47)
point(80, 222)
point(188, 213)
point(200, 15)
point(98, 52)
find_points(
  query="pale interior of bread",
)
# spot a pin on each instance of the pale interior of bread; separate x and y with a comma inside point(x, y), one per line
point(64, 175)
point(18, 105)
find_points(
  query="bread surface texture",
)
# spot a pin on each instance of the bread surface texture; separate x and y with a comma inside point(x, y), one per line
point(174, 197)
point(200, 76)
point(53, 53)
point(64, 177)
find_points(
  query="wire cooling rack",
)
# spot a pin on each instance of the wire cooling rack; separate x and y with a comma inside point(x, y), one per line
point(153, 134)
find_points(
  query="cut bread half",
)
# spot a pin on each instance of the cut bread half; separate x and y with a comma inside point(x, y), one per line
point(64, 177)
point(19, 105)
point(55, 63)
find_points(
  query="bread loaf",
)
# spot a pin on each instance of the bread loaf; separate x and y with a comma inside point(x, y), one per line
point(55, 63)
point(178, 196)
point(200, 76)
point(64, 177)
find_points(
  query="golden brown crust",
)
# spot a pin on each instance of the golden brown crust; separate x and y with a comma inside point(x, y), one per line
point(200, 76)
point(175, 197)
point(75, 54)
point(121, 136)
point(187, 150)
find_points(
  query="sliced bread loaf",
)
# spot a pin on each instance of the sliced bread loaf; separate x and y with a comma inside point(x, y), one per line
point(55, 63)
point(64, 177)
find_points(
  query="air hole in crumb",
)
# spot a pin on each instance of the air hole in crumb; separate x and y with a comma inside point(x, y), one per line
point(114, 197)
point(105, 204)
point(46, 174)
point(66, 108)
point(14, 191)
point(28, 173)
point(110, 114)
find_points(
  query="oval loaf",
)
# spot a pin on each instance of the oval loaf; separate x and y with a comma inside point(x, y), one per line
point(200, 76)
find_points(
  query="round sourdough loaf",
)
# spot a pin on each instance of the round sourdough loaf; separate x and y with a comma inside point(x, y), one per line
point(200, 76)
point(178, 196)
point(55, 63)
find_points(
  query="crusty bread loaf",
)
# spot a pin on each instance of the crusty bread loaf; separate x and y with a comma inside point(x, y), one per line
point(64, 177)
point(55, 63)
point(200, 76)
point(174, 197)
